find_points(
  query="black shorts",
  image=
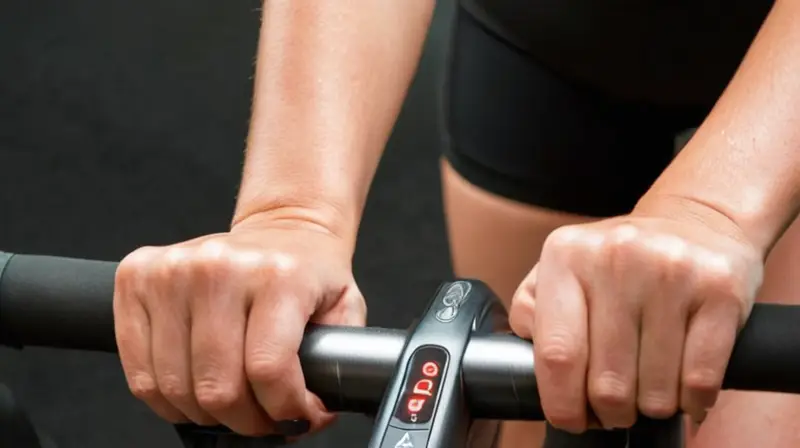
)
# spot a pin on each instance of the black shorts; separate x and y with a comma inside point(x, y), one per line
point(521, 131)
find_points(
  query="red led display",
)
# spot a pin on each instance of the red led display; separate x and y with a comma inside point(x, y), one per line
point(422, 385)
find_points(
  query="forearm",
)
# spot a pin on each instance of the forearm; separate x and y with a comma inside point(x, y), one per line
point(744, 161)
point(330, 80)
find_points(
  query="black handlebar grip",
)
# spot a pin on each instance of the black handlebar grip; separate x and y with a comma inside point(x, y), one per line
point(57, 302)
point(766, 356)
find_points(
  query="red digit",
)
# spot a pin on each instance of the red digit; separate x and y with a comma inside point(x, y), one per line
point(415, 405)
point(424, 387)
point(430, 369)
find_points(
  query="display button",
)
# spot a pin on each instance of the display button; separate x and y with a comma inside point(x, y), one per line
point(403, 438)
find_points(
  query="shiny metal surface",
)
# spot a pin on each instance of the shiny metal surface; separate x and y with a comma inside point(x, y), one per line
point(350, 367)
point(499, 378)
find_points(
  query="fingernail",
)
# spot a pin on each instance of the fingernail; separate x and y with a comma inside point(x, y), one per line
point(293, 428)
point(699, 419)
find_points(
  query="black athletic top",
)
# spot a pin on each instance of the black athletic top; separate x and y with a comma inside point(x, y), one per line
point(662, 51)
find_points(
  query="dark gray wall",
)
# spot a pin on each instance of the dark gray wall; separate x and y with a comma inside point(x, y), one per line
point(121, 124)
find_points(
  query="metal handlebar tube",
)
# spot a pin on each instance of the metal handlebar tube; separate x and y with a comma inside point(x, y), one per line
point(449, 358)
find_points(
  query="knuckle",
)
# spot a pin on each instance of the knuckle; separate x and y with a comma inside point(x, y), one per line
point(611, 390)
point(174, 259)
point(164, 271)
point(173, 387)
point(134, 265)
point(702, 381)
point(214, 396)
point(559, 352)
point(673, 254)
point(278, 265)
point(266, 366)
point(212, 258)
point(723, 275)
point(140, 257)
point(219, 260)
point(566, 419)
point(143, 386)
point(163, 263)
point(621, 241)
point(624, 233)
point(718, 279)
point(658, 405)
point(158, 279)
point(562, 239)
point(212, 249)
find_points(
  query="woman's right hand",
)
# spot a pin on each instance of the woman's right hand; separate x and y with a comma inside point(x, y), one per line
point(208, 330)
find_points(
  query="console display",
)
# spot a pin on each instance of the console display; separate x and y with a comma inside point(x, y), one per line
point(422, 385)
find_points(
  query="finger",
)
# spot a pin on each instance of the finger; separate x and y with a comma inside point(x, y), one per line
point(219, 320)
point(561, 347)
point(132, 332)
point(614, 350)
point(660, 359)
point(664, 323)
point(275, 330)
point(171, 349)
point(521, 316)
point(709, 343)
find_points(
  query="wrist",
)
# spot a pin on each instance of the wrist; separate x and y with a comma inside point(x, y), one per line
point(689, 209)
point(316, 216)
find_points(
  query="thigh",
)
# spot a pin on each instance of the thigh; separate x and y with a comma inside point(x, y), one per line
point(528, 152)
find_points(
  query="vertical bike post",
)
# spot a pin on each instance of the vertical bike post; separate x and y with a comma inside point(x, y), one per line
point(424, 404)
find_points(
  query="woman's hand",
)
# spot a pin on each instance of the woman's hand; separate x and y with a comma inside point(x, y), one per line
point(635, 313)
point(208, 330)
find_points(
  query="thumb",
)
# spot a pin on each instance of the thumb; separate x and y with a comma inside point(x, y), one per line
point(348, 309)
point(523, 306)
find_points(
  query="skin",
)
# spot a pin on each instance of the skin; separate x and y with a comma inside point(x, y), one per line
point(208, 329)
point(196, 321)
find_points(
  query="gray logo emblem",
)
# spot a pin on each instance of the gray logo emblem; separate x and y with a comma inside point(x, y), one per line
point(456, 295)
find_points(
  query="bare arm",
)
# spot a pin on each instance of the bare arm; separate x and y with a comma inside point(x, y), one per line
point(330, 81)
point(744, 161)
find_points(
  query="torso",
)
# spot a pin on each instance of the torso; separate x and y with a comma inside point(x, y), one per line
point(670, 52)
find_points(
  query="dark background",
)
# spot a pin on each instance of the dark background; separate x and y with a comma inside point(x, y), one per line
point(122, 123)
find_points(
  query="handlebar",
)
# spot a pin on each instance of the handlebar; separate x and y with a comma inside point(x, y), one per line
point(67, 303)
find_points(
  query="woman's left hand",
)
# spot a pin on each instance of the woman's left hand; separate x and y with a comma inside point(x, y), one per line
point(635, 314)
